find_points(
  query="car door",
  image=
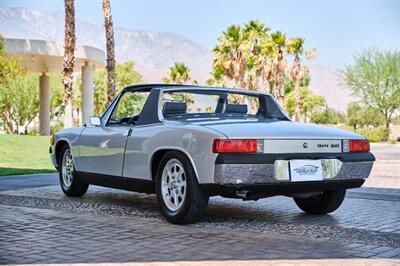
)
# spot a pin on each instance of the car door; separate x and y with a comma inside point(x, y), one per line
point(102, 147)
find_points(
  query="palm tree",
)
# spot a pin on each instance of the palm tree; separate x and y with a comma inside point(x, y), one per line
point(297, 71)
point(217, 78)
point(266, 67)
point(108, 23)
point(255, 34)
point(179, 73)
point(229, 55)
point(279, 40)
point(295, 47)
point(69, 60)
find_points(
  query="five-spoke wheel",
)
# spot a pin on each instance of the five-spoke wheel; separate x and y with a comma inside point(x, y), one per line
point(67, 169)
point(173, 182)
point(70, 182)
point(179, 195)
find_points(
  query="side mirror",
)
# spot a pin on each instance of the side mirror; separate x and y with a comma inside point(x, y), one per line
point(95, 121)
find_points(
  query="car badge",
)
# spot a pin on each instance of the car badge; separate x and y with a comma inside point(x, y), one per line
point(305, 145)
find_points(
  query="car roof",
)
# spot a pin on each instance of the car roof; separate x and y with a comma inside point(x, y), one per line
point(168, 87)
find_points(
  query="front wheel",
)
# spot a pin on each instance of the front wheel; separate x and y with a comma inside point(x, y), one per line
point(179, 195)
point(326, 202)
point(70, 183)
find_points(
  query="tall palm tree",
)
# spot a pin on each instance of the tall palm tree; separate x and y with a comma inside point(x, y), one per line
point(280, 64)
point(108, 23)
point(229, 55)
point(297, 71)
point(69, 60)
point(267, 68)
point(255, 34)
point(179, 73)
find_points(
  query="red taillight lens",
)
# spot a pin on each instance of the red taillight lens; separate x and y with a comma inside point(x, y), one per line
point(234, 146)
point(356, 145)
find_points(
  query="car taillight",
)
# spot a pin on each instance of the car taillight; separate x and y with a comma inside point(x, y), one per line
point(358, 145)
point(237, 146)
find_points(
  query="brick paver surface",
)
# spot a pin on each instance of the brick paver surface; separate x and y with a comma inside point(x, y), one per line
point(41, 225)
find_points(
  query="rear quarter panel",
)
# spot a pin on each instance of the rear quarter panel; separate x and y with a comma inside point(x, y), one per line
point(192, 140)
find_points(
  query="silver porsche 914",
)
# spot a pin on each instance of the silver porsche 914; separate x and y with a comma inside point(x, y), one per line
point(187, 143)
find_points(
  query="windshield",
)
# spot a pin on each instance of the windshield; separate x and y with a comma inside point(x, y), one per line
point(216, 104)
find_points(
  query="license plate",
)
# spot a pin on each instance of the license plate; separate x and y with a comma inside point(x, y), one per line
point(305, 170)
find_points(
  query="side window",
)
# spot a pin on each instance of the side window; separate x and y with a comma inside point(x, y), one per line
point(128, 108)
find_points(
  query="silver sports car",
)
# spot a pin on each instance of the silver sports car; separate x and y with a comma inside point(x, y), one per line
point(187, 143)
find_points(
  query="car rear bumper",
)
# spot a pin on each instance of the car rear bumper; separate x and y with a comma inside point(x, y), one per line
point(265, 173)
point(260, 168)
point(292, 189)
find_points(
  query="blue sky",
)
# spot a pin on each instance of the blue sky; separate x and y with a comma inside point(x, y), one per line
point(337, 29)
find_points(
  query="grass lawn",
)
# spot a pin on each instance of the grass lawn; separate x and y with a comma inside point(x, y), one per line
point(21, 154)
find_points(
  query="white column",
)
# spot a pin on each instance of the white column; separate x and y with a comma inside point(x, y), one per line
point(87, 93)
point(44, 108)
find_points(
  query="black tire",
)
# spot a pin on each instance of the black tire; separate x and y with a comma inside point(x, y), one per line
point(195, 201)
point(325, 203)
point(77, 188)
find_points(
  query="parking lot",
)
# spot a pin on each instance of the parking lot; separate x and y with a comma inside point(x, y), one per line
point(38, 224)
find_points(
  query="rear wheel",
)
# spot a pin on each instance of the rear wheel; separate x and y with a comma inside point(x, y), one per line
point(179, 195)
point(326, 202)
point(70, 183)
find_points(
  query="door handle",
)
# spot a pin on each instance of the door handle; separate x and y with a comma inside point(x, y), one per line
point(127, 132)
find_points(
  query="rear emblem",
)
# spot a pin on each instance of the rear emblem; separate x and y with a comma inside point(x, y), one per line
point(305, 145)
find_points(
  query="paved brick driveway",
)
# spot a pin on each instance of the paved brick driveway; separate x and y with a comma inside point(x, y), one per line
point(38, 224)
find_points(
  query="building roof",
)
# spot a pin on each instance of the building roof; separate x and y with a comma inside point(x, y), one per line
point(48, 56)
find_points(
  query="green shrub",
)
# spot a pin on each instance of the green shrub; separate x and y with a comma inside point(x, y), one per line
point(373, 134)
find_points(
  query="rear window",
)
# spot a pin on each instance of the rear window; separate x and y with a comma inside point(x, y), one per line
point(186, 104)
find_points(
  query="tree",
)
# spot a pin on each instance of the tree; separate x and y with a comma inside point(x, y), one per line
point(375, 79)
point(69, 61)
point(295, 46)
point(328, 116)
point(279, 40)
point(250, 57)
point(216, 78)
point(179, 73)
point(359, 116)
point(228, 55)
point(108, 23)
point(255, 35)
point(10, 70)
point(311, 103)
point(19, 102)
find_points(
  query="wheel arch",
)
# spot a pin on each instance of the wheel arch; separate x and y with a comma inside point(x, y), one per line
point(157, 155)
point(58, 148)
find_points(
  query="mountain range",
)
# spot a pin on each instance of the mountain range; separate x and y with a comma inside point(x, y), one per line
point(152, 52)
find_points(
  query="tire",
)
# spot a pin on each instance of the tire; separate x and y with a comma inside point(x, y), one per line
point(327, 202)
point(70, 183)
point(191, 201)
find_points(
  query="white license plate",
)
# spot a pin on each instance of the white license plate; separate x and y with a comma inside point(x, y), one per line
point(305, 170)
